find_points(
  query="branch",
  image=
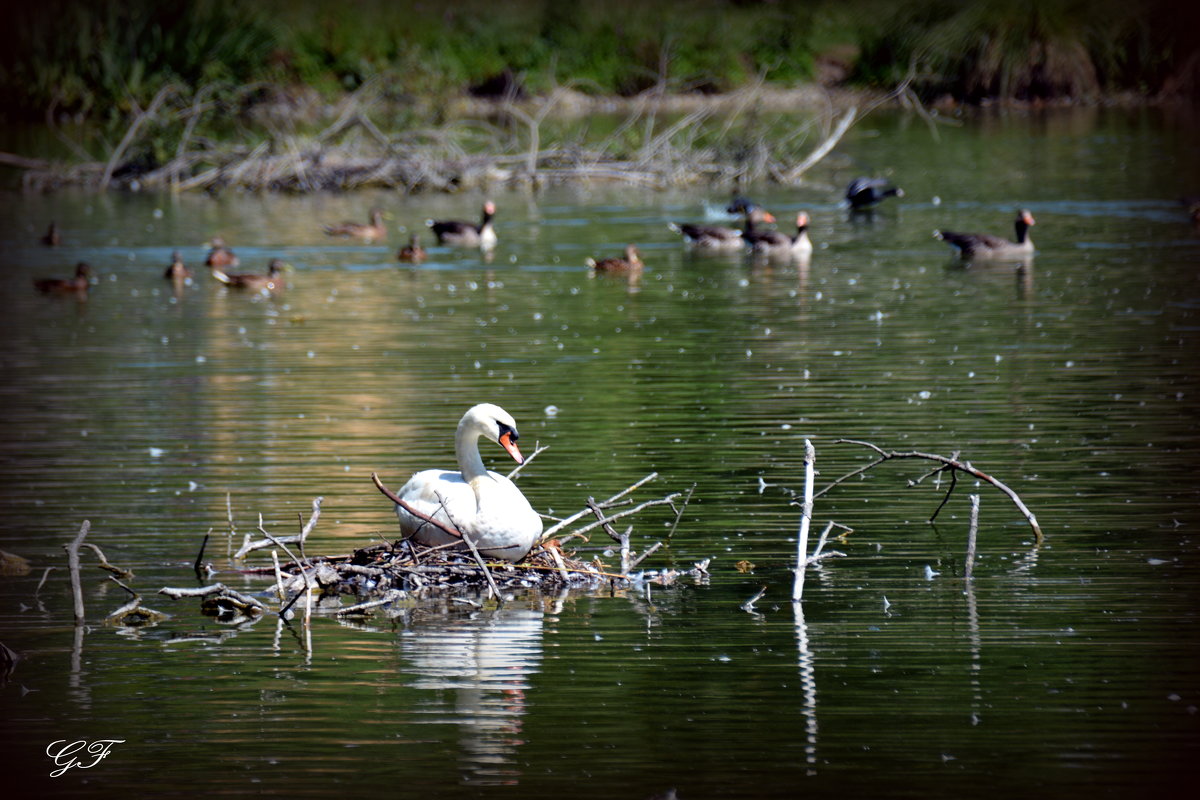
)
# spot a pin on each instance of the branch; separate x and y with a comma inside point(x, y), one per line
point(952, 463)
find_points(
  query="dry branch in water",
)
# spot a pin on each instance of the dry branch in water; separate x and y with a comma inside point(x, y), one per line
point(949, 464)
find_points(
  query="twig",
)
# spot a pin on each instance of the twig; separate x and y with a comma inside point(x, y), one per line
point(972, 534)
point(748, 606)
point(549, 532)
point(216, 588)
point(949, 462)
point(810, 456)
point(261, 544)
point(118, 571)
point(823, 149)
point(131, 133)
point(200, 556)
point(679, 512)
point(538, 449)
point(946, 499)
point(645, 554)
point(487, 573)
point(73, 565)
point(390, 495)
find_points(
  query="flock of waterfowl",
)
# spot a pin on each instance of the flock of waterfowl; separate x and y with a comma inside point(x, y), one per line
point(754, 235)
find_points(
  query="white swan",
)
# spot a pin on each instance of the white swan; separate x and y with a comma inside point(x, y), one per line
point(486, 506)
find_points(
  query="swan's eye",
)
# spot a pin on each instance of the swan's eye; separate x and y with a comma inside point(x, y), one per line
point(505, 430)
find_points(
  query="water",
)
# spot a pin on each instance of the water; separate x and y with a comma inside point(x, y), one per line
point(1064, 670)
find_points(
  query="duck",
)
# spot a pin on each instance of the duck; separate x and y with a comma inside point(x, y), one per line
point(220, 255)
point(270, 282)
point(52, 238)
point(371, 231)
point(630, 263)
point(717, 237)
point(864, 193)
point(178, 271)
point(465, 234)
point(984, 246)
point(412, 252)
point(779, 243)
point(77, 285)
point(485, 506)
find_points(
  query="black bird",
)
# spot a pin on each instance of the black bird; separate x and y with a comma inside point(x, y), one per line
point(863, 193)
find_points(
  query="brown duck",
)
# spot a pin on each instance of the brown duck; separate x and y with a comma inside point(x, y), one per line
point(630, 263)
point(412, 252)
point(220, 255)
point(375, 229)
point(178, 271)
point(270, 282)
point(77, 285)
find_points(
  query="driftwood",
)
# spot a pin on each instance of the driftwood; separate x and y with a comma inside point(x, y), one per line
point(354, 152)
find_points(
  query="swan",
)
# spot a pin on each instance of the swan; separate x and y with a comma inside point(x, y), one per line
point(483, 505)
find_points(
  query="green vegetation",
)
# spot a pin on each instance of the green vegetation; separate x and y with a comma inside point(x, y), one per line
point(101, 59)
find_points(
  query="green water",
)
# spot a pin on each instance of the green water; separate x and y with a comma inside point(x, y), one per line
point(1064, 670)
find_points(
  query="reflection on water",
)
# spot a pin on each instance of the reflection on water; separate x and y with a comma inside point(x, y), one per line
point(475, 672)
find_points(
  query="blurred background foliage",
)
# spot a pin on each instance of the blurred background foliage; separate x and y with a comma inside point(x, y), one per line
point(100, 60)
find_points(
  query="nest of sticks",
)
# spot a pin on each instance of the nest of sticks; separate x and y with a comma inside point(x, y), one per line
point(403, 573)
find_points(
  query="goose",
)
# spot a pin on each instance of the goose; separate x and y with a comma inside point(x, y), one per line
point(52, 239)
point(464, 233)
point(370, 231)
point(483, 505)
point(77, 285)
point(631, 262)
point(779, 243)
point(178, 271)
point(412, 253)
point(220, 255)
point(716, 237)
point(863, 193)
point(270, 282)
point(984, 246)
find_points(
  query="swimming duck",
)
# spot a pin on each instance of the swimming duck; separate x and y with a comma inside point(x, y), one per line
point(77, 285)
point(412, 252)
point(485, 506)
point(465, 234)
point(779, 243)
point(984, 246)
point(220, 255)
point(270, 282)
point(717, 237)
point(178, 271)
point(863, 193)
point(371, 231)
point(631, 262)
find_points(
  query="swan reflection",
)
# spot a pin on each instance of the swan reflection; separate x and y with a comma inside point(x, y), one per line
point(477, 671)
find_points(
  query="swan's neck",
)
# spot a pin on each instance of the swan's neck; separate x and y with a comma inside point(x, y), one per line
point(466, 447)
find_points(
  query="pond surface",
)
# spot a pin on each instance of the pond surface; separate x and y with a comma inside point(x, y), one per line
point(1064, 670)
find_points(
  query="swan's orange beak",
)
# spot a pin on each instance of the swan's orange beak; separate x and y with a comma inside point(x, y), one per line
point(510, 446)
